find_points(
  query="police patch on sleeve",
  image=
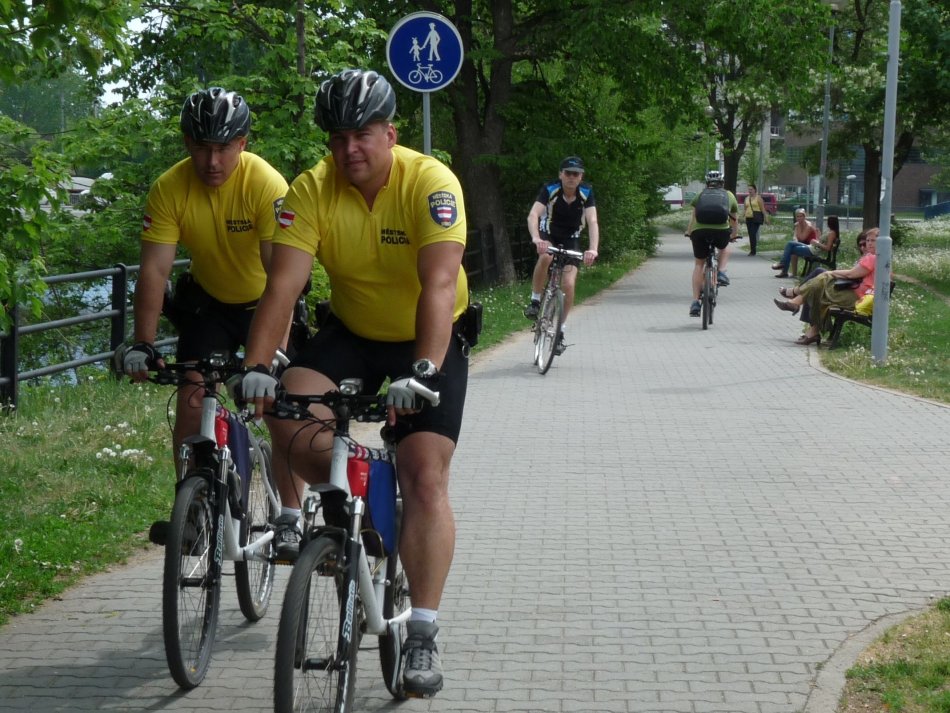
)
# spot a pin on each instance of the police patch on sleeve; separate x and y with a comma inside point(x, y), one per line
point(443, 208)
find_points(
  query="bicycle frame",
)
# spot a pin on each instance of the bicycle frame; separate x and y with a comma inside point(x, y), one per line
point(201, 453)
point(228, 526)
point(370, 582)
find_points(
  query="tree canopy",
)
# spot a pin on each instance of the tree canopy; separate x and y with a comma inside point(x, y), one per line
point(628, 86)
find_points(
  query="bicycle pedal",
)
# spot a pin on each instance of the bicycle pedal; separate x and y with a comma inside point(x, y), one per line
point(419, 694)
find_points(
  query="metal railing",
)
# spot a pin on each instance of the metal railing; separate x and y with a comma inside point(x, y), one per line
point(480, 265)
point(117, 314)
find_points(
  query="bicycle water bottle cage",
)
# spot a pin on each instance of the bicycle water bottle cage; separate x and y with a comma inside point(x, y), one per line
point(234, 494)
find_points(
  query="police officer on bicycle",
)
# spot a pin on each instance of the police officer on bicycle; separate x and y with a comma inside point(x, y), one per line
point(388, 225)
point(221, 203)
point(715, 218)
point(560, 211)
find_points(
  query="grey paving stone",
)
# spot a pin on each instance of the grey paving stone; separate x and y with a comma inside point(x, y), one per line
point(651, 527)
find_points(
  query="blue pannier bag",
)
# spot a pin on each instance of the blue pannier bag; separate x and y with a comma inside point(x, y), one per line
point(239, 441)
point(381, 503)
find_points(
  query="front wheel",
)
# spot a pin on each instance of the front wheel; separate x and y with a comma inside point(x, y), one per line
point(191, 587)
point(707, 297)
point(551, 318)
point(395, 602)
point(255, 579)
point(307, 673)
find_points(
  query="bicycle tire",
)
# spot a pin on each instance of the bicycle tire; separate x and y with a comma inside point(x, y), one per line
point(307, 676)
point(255, 579)
point(395, 601)
point(191, 589)
point(707, 296)
point(551, 320)
point(536, 328)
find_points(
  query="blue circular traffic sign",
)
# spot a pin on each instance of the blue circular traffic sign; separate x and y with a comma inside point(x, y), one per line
point(424, 51)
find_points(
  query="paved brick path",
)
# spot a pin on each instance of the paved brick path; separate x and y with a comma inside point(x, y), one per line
point(657, 525)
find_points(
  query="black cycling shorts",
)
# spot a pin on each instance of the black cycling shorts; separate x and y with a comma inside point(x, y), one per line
point(569, 243)
point(339, 354)
point(218, 327)
point(701, 236)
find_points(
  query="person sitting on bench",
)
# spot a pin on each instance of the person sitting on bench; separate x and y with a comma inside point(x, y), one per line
point(822, 292)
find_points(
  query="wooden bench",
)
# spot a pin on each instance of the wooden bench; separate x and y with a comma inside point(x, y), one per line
point(829, 261)
point(842, 316)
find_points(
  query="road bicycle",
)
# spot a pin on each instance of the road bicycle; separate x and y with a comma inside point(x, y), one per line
point(219, 514)
point(348, 580)
point(550, 319)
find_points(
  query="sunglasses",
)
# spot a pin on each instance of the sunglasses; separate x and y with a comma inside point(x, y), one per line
point(573, 173)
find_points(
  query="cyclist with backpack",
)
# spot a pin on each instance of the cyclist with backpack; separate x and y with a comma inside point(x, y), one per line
point(561, 210)
point(715, 220)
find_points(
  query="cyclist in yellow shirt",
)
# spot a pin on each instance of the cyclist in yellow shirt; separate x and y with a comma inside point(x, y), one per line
point(221, 203)
point(388, 225)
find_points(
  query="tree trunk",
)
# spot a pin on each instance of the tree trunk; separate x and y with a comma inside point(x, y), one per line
point(480, 129)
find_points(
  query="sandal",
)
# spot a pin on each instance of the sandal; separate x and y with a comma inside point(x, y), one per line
point(787, 292)
point(786, 306)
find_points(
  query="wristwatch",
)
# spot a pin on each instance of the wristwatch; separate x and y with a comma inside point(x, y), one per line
point(424, 369)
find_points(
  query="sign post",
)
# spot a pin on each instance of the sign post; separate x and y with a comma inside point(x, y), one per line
point(424, 52)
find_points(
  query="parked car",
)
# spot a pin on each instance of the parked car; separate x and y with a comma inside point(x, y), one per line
point(769, 199)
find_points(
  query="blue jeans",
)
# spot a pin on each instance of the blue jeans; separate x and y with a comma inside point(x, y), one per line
point(793, 247)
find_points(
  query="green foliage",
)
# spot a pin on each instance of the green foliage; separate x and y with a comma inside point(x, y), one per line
point(746, 59)
point(30, 198)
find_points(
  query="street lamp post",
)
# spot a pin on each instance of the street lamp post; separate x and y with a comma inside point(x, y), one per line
point(850, 188)
point(882, 268)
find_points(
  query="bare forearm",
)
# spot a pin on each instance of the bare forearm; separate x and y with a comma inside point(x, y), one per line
point(268, 331)
point(434, 318)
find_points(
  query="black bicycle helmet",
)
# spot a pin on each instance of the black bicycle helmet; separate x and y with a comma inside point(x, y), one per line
point(352, 99)
point(215, 116)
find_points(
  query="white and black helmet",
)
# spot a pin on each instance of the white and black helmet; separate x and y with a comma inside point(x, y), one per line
point(713, 178)
point(353, 98)
point(215, 116)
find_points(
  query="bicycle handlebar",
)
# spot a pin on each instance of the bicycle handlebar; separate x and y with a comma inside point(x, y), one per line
point(345, 406)
point(216, 369)
point(571, 254)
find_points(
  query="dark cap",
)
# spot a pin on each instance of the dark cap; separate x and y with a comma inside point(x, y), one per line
point(572, 163)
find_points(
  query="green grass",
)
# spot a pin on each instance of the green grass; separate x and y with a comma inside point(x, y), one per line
point(907, 670)
point(84, 474)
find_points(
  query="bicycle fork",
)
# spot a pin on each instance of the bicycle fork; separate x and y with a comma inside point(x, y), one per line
point(349, 606)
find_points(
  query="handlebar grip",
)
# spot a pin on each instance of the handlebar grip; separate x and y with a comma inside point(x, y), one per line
point(428, 394)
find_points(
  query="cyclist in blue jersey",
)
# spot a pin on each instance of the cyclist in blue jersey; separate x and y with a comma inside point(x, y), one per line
point(559, 214)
